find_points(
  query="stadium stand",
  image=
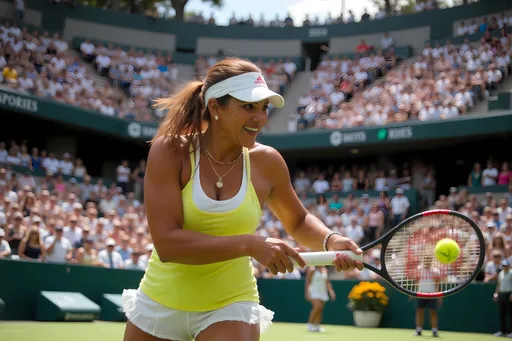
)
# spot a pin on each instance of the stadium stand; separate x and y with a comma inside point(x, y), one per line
point(60, 204)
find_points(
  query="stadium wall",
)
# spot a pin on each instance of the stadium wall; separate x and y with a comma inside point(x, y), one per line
point(23, 281)
point(471, 125)
point(187, 34)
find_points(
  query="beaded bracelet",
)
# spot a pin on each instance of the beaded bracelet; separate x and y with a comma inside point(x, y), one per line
point(326, 239)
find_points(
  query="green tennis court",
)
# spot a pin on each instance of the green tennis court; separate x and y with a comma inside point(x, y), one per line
point(104, 331)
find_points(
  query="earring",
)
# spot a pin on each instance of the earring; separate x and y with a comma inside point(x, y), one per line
point(216, 117)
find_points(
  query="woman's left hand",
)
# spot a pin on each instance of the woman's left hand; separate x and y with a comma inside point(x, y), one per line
point(344, 262)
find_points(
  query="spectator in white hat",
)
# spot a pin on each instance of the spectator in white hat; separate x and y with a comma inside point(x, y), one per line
point(57, 247)
point(111, 258)
point(145, 258)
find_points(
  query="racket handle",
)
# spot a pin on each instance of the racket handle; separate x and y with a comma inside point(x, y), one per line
point(325, 258)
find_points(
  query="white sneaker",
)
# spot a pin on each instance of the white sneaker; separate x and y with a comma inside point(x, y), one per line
point(498, 333)
point(509, 335)
point(311, 328)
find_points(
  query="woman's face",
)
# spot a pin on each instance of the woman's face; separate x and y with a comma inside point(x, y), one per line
point(240, 121)
point(88, 245)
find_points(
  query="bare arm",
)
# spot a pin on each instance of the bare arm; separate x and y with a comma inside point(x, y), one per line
point(43, 251)
point(21, 250)
point(162, 192)
point(331, 289)
point(302, 226)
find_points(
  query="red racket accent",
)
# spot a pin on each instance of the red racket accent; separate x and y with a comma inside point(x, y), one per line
point(433, 212)
point(429, 294)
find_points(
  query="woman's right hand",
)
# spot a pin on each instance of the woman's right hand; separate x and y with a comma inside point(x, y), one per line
point(275, 254)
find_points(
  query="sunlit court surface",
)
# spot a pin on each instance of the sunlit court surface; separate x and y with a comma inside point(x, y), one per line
point(106, 331)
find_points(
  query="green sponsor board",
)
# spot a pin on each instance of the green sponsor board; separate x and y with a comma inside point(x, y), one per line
point(18, 102)
point(143, 131)
point(75, 116)
point(471, 125)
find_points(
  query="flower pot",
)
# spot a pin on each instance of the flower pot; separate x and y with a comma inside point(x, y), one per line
point(367, 319)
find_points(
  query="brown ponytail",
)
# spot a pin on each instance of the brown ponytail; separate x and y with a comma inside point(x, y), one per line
point(186, 114)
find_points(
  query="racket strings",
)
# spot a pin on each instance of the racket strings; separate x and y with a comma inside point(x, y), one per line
point(410, 260)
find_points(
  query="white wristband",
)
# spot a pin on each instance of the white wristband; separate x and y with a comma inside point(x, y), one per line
point(326, 239)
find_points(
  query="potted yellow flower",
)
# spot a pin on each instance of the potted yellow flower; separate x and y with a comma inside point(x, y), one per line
point(367, 300)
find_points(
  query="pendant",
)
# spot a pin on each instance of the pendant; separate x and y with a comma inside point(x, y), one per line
point(219, 184)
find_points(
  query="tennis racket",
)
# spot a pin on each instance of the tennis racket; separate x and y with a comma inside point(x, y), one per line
point(407, 260)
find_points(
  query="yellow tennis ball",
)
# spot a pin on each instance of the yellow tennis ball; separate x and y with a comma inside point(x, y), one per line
point(447, 251)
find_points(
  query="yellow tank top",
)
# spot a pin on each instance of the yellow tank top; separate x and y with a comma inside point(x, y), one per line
point(210, 286)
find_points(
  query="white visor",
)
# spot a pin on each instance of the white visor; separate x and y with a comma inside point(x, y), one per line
point(247, 87)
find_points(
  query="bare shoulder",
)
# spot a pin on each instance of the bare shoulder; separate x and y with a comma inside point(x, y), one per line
point(269, 161)
point(266, 155)
point(168, 149)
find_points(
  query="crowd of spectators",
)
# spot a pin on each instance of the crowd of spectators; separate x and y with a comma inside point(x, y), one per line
point(443, 82)
point(48, 219)
point(470, 27)
point(43, 65)
point(58, 171)
point(140, 77)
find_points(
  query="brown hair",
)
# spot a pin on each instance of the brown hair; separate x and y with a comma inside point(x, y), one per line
point(33, 231)
point(186, 112)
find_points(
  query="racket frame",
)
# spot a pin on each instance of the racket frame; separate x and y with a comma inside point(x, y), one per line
point(384, 241)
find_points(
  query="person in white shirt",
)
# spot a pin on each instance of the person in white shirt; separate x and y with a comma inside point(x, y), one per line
point(123, 175)
point(462, 29)
point(51, 164)
point(354, 231)
point(134, 262)
point(72, 232)
point(320, 185)
point(111, 258)
point(387, 41)
point(503, 296)
point(87, 49)
point(494, 77)
point(3, 152)
point(65, 165)
point(399, 206)
point(58, 248)
point(301, 183)
point(489, 175)
point(428, 276)
point(5, 249)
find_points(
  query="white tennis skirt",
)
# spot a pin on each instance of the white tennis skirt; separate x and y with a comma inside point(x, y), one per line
point(177, 325)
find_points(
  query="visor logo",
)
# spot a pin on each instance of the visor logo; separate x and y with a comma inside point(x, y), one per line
point(259, 80)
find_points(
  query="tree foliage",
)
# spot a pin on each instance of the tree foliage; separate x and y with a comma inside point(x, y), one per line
point(407, 6)
point(141, 6)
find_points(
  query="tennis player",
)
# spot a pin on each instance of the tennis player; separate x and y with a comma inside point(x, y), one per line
point(318, 290)
point(428, 283)
point(206, 181)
